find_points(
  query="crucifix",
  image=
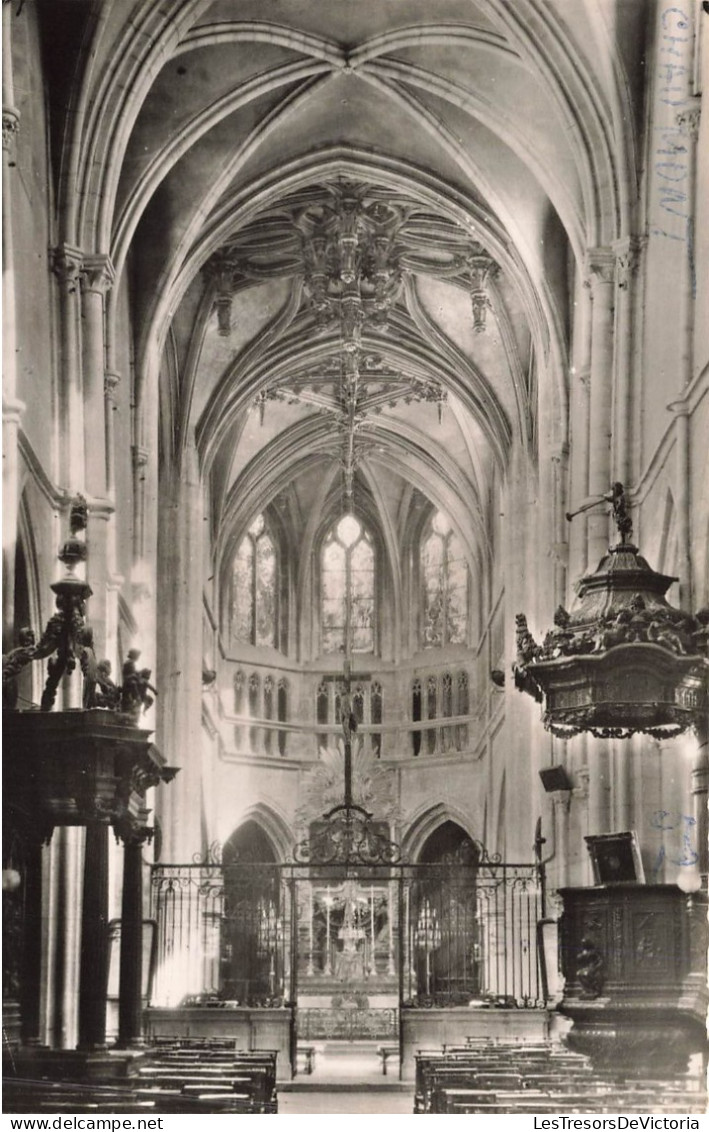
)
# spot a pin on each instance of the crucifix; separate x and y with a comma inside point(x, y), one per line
point(349, 726)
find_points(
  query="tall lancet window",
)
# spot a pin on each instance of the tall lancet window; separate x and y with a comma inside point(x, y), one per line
point(444, 574)
point(347, 579)
point(253, 588)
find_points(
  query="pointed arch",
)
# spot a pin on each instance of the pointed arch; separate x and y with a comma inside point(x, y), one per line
point(273, 824)
point(425, 823)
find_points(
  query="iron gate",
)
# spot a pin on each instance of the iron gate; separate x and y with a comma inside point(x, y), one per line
point(348, 947)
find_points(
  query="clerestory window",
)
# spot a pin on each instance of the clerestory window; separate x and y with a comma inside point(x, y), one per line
point(347, 581)
point(253, 588)
point(444, 576)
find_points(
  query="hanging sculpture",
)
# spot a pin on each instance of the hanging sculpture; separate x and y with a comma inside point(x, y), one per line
point(623, 660)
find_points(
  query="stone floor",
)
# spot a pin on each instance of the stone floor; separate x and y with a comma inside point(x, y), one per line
point(347, 1079)
point(347, 1063)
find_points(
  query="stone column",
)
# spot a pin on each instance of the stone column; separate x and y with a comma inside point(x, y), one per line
point(111, 381)
point(97, 569)
point(688, 123)
point(93, 978)
point(114, 580)
point(622, 783)
point(97, 276)
point(561, 806)
point(67, 262)
point(627, 253)
point(581, 874)
point(601, 280)
point(11, 416)
point(700, 799)
point(579, 379)
point(140, 464)
point(130, 1001)
point(179, 653)
point(11, 407)
point(598, 786)
point(601, 273)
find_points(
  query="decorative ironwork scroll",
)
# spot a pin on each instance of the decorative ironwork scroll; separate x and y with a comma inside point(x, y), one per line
point(347, 835)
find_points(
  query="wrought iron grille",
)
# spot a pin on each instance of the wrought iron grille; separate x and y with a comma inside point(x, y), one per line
point(445, 934)
point(471, 935)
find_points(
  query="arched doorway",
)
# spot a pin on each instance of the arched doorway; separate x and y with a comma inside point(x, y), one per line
point(252, 933)
point(444, 935)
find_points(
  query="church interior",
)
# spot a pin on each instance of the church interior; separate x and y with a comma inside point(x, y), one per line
point(355, 554)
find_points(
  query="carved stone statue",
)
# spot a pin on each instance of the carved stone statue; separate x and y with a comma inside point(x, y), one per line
point(527, 647)
point(144, 687)
point(107, 694)
point(12, 664)
point(589, 969)
point(622, 519)
point(135, 692)
point(87, 660)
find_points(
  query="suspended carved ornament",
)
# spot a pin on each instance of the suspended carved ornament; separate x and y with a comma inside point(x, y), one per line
point(482, 269)
point(351, 258)
point(623, 660)
point(220, 269)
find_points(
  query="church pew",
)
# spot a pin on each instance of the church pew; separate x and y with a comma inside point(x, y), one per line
point(517, 1075)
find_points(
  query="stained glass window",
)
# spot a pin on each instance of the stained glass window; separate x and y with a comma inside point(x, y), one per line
point(253, 614)
point(348, 588)
point(444, 574)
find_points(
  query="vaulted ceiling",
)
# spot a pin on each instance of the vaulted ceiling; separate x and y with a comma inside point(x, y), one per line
point(350, 228)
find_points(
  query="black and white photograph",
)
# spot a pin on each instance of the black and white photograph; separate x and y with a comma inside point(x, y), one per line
point(355, 539)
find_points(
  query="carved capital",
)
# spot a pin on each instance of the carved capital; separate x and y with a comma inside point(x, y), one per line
point(688, 120)
point(135, 836)
point(97, 274)
point(10, 130)
point(12, 411)
point(220, 271)
point(627, 260)
point(600, 268)
point(66, 263)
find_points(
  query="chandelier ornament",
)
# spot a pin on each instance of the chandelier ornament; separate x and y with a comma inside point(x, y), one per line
point(623, 660)
point(351, 261)
point(482, 269)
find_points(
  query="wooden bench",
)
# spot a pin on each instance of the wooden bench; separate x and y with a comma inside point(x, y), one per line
point(384, 1053)
point(308, 1054)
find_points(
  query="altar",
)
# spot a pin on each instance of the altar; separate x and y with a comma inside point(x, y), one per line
point(347, 936)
